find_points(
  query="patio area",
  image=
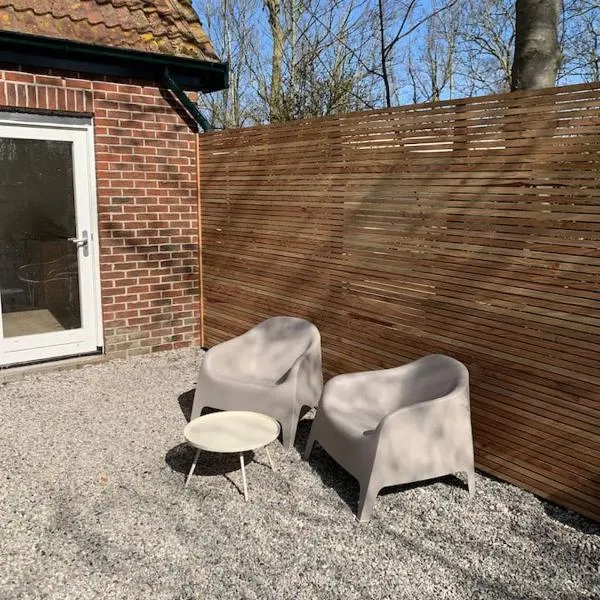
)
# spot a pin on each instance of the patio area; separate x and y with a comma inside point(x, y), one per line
point(93, 506)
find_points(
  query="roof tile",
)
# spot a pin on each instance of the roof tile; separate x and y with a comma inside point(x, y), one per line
point(163, 26)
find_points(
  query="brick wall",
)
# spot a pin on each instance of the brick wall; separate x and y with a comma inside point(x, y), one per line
point(147, 203)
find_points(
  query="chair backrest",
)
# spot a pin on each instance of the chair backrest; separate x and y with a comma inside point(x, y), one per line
point(424, 379)
point(277, 343)
point(431, 377)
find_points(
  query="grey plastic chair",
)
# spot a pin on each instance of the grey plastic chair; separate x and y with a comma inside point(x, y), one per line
point(274, 368)
point(398, 425)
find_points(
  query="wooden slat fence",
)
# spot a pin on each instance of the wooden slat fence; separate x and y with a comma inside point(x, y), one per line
point(468, 227)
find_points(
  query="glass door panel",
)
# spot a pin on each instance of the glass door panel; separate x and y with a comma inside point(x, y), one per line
point(39, 278)
point(49, 286)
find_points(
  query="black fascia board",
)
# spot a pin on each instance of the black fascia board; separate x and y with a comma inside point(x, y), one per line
point(67, 55)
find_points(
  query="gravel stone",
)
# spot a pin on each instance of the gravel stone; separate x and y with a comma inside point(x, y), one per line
point(92, 505)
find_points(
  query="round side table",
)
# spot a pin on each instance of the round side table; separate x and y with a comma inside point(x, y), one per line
point(234, 431)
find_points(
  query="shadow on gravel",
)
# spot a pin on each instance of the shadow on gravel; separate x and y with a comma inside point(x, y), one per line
point(484, 587)
point(344, 484)
point(566, 517)
point(210, 464)
point(185, 403)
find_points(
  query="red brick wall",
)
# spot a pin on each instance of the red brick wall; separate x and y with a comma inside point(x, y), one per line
point(147, 204)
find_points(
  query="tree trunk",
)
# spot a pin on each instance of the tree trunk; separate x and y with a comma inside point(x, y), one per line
point(274, 9)
point(537, 52)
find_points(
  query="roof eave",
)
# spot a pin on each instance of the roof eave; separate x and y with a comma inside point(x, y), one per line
point(66, 55)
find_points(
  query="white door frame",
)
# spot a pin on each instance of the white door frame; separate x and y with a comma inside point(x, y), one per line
point(88, 338)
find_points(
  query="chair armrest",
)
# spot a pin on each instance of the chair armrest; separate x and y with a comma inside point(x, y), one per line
point(300, 362)
point(213, 358)
point(445, 409)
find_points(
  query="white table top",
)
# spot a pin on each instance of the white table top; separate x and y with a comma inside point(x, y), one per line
point(231, 431)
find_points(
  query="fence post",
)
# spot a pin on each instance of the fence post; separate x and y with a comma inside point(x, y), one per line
point(200, 242)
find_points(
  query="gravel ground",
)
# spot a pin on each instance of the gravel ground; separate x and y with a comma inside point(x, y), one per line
point(92, 505)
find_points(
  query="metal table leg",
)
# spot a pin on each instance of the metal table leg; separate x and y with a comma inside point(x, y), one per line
point(269, 457)
point(193, 468)
point(244, 476)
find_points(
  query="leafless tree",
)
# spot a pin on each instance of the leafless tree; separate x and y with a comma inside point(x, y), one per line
point(396, 24)
point(433, 72)
point(486, 45)
point(315, 69)
point(291, 59)
point(580, 41)
point(232, 27)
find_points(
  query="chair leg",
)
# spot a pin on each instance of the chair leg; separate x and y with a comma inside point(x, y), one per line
point(471, 482)
point(366, 501)
point(288, 434)
point(196, 406)
point(309, 444)
point(288, 429)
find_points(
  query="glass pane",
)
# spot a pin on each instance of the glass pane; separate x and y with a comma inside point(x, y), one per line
point(39, 278)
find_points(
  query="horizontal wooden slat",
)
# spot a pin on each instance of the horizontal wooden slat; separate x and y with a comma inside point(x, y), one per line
point(467, 227)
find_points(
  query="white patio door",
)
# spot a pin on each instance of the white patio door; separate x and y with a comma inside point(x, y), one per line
point(49, 290)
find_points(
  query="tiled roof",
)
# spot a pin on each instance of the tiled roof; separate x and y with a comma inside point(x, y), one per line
point(160, 26)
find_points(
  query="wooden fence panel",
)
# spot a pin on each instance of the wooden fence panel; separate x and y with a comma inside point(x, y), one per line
point(468, 227)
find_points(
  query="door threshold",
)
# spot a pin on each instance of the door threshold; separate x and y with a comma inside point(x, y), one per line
point(12, 373)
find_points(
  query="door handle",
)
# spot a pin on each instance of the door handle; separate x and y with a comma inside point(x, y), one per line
point(81, 242)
